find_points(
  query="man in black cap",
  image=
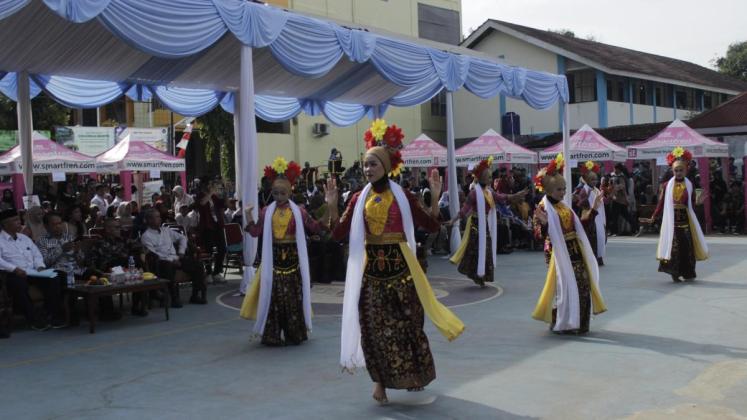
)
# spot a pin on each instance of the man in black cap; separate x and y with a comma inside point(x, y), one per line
point(19, 257)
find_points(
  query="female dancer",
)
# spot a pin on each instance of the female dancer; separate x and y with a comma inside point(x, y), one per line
point(386, 291)
point(571, 291)
point(280, 295)
point(585, 195)
point(476, 256)
point(681, 241)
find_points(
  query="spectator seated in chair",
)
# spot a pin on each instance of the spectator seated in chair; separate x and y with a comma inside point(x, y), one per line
point(18, 257)
point(114, 250)
point(160, 241)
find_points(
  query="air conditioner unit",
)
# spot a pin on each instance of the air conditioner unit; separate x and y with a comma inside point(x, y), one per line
point(320, 129)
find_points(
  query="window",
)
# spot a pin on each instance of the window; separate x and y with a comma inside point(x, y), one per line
point(582, 86)
point(271, 127)
point(685, 98)
point(439, 24)
point(641, 94)
point(707, 101)
point(615, 90)
point(438, 105)
point(664, 96)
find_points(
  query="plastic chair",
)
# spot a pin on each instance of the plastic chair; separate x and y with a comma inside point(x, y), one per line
point(233, 237)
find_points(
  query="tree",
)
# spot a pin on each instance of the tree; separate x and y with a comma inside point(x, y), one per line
point(216, 127)
point(46, 113)
point(734, 63)
point(565, 32)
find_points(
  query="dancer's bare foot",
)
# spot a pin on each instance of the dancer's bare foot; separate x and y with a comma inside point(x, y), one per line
point(379, 393)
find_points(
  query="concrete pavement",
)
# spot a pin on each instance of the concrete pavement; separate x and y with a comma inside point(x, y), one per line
point(663, 350)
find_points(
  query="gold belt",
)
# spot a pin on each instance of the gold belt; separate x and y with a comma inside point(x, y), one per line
point(570, 235)
point(680, 206)
point(386, 238)
point(287, 239)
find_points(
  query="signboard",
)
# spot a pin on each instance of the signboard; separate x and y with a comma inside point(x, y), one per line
point(9, 138)
point(87, 140)
point(156, 137)
point(150, 188)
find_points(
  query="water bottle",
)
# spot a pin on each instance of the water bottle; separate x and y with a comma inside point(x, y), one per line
point(70, 275)
point(131, 264)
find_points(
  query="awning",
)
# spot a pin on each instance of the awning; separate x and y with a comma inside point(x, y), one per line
point(87, 54)
point(677, 134)
point(493, 144)
point(49, 157)
point(130, 155)
point(423, 152)
point(586, 144)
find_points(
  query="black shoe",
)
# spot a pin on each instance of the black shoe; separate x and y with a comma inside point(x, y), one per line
point(139, 312)
point(198, 300)
point(40, 326)
point(57, 324)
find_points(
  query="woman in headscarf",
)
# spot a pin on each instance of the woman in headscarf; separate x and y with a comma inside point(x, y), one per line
point(681, 241)
point(571, 292)
point(476, 255)
point(584, 197)
point(386, 291)
point(279, 298)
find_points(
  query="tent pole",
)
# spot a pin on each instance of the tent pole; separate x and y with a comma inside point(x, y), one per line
point(566, 153)
point(25, 127)
point(237, 146)
point(451, 176)
point(125, 179)
point(704, 169)
point(249, 167)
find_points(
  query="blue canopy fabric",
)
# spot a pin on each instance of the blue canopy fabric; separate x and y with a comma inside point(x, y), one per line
point(346, 72)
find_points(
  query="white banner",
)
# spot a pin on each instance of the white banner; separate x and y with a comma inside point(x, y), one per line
point(156, 137)
point(90, 140)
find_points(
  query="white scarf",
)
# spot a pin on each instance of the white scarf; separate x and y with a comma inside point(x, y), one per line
point(493, 220)
point(599, 221)
point(265, 289)
point(568, 306)
point(351, 353)
point(666, 234)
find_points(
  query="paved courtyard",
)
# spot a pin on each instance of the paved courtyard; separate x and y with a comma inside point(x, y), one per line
point(663, 350)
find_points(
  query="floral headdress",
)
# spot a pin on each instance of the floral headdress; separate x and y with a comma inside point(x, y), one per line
point(679, 153)
point(284, 169)
point(483, 165)
point(389, 137)
point(555, 167)
point(590, 166)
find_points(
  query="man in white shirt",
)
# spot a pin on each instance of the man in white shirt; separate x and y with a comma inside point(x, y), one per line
point(19, 259)
point(99, 200)
point(189, 220)
point(118, 197)
point(231, 211)
point(160, 241)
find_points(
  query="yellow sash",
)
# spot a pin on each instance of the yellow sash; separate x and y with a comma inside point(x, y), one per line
point(446, 321)
point(457, 257)
point(251, 299)
point(543, 310)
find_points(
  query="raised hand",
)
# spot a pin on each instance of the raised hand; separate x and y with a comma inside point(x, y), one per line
point(330, 195)
point(435, 183)
point(598, 201)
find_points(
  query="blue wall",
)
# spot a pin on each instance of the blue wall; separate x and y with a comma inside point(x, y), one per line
point(602, 99)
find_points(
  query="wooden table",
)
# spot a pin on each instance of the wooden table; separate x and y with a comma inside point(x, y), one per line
point(92, 294)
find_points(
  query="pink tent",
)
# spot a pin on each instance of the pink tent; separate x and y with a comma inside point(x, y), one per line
point(49, 157)
point(423, 152)
point(679, 134)
point(586, 144)
point(493, 144)
point(128, 156)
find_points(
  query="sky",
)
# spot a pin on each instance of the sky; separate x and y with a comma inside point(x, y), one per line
point(693, 30)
